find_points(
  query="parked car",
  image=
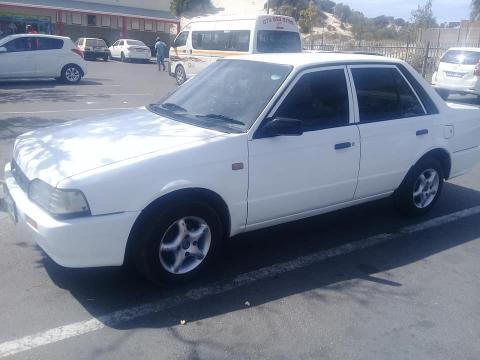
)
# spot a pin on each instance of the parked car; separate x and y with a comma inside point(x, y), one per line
point(458, 72)
point(41, 56)
point(204, 40)
point(93, 48)
point(286, 136)
point(130, 50)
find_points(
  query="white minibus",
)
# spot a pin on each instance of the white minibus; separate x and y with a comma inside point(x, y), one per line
point(204, 40)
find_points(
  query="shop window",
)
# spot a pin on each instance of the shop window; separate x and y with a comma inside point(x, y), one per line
point(135, 24)
point(92, 20)
point(148, 25)
point(105, 20)
point(160, 26)
point(77, 19)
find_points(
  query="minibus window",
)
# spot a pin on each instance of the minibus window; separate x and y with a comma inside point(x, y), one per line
point(272, 41)
point(224, 40)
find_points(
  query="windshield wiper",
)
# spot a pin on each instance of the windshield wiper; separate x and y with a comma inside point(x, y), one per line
point(173, 107)
point(220, 117)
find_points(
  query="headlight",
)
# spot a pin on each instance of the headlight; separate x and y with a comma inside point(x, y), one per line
point(58, 202)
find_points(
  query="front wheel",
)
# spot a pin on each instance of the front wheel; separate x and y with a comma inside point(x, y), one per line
point(177, 243)
point(71, 74)
point(421, 188)
point(180, 75)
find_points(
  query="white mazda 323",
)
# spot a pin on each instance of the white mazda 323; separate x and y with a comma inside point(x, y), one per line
point(248, 143)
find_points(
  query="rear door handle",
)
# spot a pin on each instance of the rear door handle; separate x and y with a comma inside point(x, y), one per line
point(422, 132)
point(343, 145)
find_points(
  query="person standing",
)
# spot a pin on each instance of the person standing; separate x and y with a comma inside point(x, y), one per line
point(31, 30)
point(160, 49)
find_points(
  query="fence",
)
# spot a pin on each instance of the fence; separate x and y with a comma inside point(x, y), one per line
point(424, 57)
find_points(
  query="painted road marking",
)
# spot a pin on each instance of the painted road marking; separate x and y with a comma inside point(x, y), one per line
point(67, 110)
point(118, 317)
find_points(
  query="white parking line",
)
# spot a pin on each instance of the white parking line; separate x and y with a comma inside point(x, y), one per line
point(118, 317)
point(67, 110)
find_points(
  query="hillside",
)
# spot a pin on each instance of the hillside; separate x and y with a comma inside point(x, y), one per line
point(331, 31)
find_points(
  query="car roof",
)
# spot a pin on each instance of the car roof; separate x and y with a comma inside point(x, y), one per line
point(91, 38)
point(38, 35)
point(308, 59)
point(465, 48)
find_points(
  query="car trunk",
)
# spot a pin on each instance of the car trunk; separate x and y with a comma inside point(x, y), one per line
point(458, 68)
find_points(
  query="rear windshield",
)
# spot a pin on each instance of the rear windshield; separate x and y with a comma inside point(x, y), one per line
point(271, 41)
point(135, 42)
point(461, 57)
point(95, 42)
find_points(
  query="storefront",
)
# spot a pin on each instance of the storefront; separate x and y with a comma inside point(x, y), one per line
point(87, 19)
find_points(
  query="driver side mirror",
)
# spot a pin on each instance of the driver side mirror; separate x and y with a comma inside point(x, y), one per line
point(282, 126)
point(3, 49)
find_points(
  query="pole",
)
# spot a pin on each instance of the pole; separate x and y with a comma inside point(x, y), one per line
point(425, 60)
point(268, 6)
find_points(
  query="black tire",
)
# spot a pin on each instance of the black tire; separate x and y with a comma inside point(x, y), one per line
point(146, 248)
point(71, 74)
point(404, 197)
point(105, 58)
point(180, 75)
point(444, 94)
point(123, 58)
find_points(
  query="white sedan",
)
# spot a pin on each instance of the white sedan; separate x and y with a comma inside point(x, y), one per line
point(41, 56)
point(285, 136)
point(130, 50)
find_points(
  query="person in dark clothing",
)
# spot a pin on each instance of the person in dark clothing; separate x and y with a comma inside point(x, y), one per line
point(160, 49)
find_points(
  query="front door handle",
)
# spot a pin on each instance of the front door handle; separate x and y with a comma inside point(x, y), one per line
point(343, 145)
point(422, 132)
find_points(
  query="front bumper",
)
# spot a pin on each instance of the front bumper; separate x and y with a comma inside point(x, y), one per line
point(82, 242)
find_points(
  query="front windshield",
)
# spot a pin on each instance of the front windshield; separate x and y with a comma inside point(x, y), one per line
point(228, 95)
point(135, 42)
point(271, 41)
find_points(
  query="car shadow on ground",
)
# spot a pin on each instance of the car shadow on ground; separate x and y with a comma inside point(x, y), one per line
point(102, 291)
point(46, 83)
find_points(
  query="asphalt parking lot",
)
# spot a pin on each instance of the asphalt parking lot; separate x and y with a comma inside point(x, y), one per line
point(361, 283)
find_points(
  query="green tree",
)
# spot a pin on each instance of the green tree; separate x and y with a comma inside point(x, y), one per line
point(308, 17)
point(422, 17)
point(180, 6)
point(343, 12)
point(475, 7)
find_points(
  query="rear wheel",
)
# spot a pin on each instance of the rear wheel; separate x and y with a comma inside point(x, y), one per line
point(178, 242)
point(180, 75)
point(105, 58)
point(71, 74)
point(421, 188)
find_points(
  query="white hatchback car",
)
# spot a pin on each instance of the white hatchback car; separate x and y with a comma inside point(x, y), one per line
point(41, 56)
point(129, 50)
point(458, 72)
point(248, 143)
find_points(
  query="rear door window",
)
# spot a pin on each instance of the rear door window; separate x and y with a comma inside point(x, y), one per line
point(461, 57)
point(383, 94)
point(272, 41)
point(49, 43)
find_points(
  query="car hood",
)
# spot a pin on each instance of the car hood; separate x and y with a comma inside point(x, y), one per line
point(55, 153)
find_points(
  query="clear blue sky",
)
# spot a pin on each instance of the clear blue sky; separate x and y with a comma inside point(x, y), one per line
point(444, 10)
